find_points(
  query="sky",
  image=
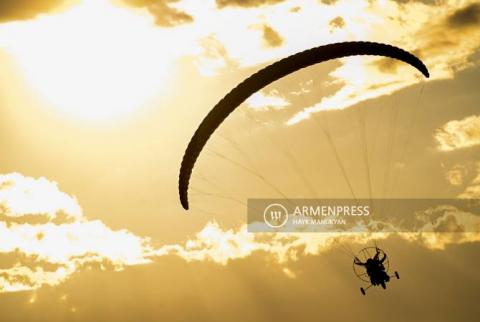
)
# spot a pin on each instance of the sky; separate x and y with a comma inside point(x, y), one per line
point(100, 98)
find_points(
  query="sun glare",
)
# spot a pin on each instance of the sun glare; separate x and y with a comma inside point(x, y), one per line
point(94, 62)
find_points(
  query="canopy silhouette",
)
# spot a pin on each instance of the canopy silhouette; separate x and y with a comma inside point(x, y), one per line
point(270, 74)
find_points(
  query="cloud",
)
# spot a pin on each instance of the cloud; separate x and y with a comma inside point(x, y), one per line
point(358, 84)
point(473, 190)
point(214, 56)
point(444, 37)
point(35, 254)
point(295, 9)
point(456, 175)
point(446, 219)
point(11, 10)
point(166, 15)
point(218, 245)
point(458, 134)
point(261, 101)
point(436, 228)
point(466, 17)
point(449, 41)
point(25, 197)
point(256, 290)
point(328, 2)
point(271, 37)
point(337, 22)
point(49, 251)
point(245, 3)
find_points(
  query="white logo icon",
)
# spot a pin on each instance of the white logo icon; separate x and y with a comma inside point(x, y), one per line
point(275, 215)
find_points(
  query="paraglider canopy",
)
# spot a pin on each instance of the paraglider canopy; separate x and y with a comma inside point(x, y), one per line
point(268, 75)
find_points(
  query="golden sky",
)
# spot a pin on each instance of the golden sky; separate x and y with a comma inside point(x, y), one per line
point(100, 98)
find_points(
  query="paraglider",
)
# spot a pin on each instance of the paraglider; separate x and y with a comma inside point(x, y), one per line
point(374, 270)
point(268, 75)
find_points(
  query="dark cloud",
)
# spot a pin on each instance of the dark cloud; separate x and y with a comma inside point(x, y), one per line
point(31, 261)
point(337, 22)
point(442, 35)
point(254, 289)
point(451, 31)
point(328, 2)
point(468, 16)
point(295, 9)
point(387, 65)
point(11, 10)
point(245, 3)
point(35, 219)
point(165, 14)
point(271, 37)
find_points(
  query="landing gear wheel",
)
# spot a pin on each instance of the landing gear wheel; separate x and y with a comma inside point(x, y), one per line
point(383, 285)
point(396, 275)
point(362, 290)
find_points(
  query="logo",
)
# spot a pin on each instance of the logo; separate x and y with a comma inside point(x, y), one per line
point(275, 215)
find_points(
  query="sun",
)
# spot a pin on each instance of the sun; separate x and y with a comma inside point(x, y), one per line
point(93, 62)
